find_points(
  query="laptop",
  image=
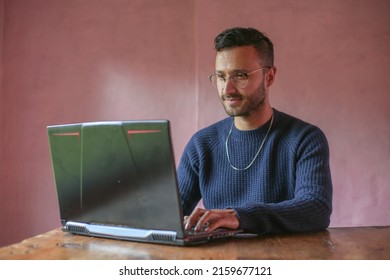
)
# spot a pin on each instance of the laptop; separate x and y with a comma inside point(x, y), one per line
point(117, 179)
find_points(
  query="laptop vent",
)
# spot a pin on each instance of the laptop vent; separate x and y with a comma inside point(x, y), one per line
point(77, 229)
point(166, 238)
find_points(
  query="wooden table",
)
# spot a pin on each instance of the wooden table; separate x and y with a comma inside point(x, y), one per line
point(365, 243)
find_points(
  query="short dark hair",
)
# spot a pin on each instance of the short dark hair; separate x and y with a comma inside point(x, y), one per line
point(240, 36)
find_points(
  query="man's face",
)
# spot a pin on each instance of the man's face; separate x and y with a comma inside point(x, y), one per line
point(241, 101)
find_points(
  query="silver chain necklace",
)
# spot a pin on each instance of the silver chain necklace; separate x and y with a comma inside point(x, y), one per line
point(258, 152)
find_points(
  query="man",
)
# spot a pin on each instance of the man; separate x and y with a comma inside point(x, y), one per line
point(259, 170)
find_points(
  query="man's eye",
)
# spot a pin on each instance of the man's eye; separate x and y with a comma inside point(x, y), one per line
point(241, 76)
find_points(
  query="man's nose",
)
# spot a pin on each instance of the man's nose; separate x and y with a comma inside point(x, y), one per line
point(229, 87)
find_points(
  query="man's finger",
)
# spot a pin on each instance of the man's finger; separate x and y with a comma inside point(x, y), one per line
point(193, 218)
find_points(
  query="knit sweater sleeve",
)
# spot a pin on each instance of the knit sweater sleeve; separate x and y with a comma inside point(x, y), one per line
point(195, 163)
point(311, 205)
point(188, 172)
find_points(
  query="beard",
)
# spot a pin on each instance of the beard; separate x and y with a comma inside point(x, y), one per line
point(249, 103)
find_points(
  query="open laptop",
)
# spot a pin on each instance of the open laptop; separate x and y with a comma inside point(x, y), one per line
point(118, 180)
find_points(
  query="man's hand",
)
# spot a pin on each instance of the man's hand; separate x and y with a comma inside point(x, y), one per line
point(211, 219)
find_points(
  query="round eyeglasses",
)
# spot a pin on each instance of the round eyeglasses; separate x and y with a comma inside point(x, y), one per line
point(238, 79)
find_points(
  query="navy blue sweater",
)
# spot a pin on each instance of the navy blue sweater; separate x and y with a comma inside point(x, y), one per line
point(287, 189)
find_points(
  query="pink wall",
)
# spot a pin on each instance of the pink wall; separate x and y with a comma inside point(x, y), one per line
point(69, 61)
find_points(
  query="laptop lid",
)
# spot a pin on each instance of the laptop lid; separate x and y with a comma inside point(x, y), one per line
point(118, 180)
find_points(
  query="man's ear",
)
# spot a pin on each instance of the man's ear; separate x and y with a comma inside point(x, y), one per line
point(270, 77)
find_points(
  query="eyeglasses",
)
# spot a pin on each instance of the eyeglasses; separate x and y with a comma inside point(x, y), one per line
point(239, 79)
